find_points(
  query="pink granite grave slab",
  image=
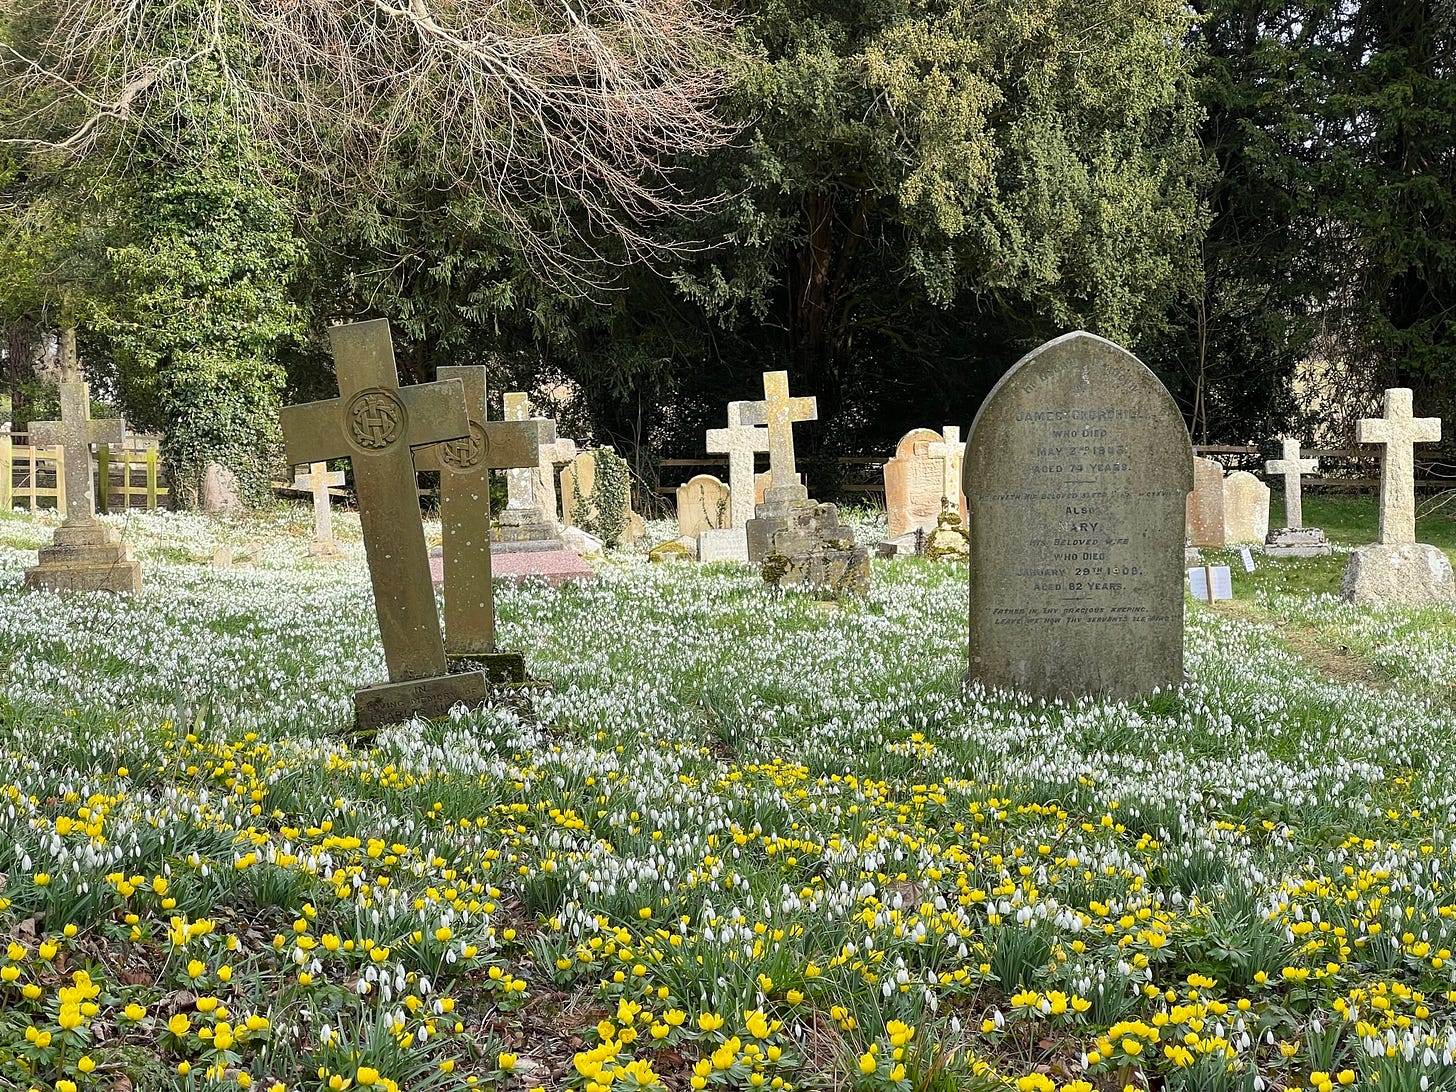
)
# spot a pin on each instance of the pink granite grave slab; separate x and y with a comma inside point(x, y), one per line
point(553, 566)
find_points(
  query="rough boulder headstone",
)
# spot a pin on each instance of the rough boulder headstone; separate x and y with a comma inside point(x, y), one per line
point(1077, 471)
point(1397, 569)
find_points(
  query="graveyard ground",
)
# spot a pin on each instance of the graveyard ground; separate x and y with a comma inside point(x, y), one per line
point(744, 840)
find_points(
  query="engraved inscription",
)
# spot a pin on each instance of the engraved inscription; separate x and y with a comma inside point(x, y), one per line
point(376, 419)
point(465, 453)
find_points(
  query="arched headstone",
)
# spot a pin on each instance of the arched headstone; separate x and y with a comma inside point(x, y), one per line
point(1076, 472)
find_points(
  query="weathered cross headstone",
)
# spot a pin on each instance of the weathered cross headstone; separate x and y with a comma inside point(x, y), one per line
point(377, 424)
point(318, 481)
point(465, 465)
point(530, 511)
point(1397, 569)
point(799, 542)
point(1076, 472)
point(86, 554)
point(702, 505)
point(739, 442)
point(1294, 539)
point(949, 540)
point(1245, 508)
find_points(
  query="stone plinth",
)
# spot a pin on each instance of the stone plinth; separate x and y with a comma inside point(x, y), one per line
point(86, 557)
point(432, 699)
point(1297, 542)
point(1408, 574)
point(949, 541)
point(814, 553)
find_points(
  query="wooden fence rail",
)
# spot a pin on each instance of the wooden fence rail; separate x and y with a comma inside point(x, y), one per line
point(128, 477)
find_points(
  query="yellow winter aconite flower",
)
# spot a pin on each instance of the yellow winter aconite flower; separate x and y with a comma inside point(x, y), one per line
point(179, 1024)
point(868, 1063)
point(506, 1061)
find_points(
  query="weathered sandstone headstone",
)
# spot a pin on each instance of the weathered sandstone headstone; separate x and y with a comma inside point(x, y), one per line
point(219, 495)
point(913, 484)
point(1245, 508)
point(1398, 569)
point(1204, 508)
point(703, 504)
point(376, 424)
point(85, 554)
point(579, 490)
point(1077, 470)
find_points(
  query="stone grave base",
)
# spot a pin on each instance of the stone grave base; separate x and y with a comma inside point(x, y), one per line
point(526, 546)
point(729, 544)
point(86, 557)
point(325, 551)
point(1411, 574)
point(949, 541)
point(1297, 542)
point(433, 698)
point(814, 553)
point(910, 544)
point(509, 530)
point(501, 668)
point(554, 566)
point(677, 549)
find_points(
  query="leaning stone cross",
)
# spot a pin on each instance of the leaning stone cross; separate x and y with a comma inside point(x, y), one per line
point(1399, 432)
point(74, 434)
point(465, 465)
point(376, 424)
point(1292, 467)
point(318, 481)
point(780, 412)
point(739, 442)
point(951, 452)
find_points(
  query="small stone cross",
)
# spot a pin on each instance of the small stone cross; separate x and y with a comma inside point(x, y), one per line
point(1399, 431)
point(739, 442)
point(74, 434)
point(533, 489)
point(1292, 467)
point(318, 481)
point(465, 465)
point(951, 452)
point(779, 412)
point(376, 424)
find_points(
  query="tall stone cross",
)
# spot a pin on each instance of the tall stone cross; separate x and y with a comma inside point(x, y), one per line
point(74, 434)
point(465, 465)
point(318, 481)
point(376, 424)
point(1292, 467)
point(951, 452)
point(533, 490)
point(780, 412)
point(739, 442)
point(1399, 431)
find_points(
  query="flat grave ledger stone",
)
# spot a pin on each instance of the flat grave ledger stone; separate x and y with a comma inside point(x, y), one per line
point(740, 443)
point(703, 504)
point(1397, 569)
point(318, 481)
point(1077, 471)
point(377, 424)
point(465, 465)
point(1245, 508)
point(1294, 539)
point(1204, 509)
point(914, 484)
point(85, 554)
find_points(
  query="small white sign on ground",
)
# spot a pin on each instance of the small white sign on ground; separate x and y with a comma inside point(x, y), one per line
point(1219, 576)
point(1248, 557)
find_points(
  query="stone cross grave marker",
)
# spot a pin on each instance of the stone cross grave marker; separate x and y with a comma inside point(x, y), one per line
point(1077, 470)
point(74, 434)
point(531, 492)
point(376, 424)
point(85, 554)
point(318, 481)
point(739, 441)
point(1292, 467)
point(780, 413)
point(951, 452)
point(465, 465)
point(1399, 432)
